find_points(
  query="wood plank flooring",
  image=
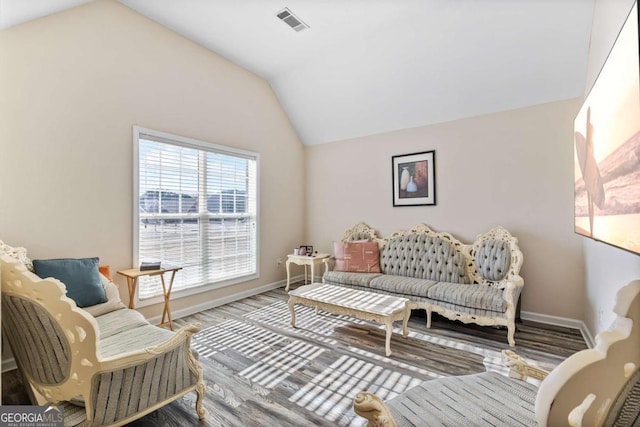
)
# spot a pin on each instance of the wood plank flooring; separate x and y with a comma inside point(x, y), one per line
point(260, 371)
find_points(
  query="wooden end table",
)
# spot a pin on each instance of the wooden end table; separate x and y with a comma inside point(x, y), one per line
point(364, 305)
point(306, 261)
point(132, 276)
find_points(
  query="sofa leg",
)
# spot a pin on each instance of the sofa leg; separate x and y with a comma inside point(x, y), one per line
point(428, 308)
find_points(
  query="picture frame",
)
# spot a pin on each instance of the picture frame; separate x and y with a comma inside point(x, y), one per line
point(305, 250)
point(414, 179)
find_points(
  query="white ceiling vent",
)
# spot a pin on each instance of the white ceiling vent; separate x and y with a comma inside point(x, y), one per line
point(291, 20)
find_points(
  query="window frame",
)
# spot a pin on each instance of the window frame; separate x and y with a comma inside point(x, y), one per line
point(138, 132)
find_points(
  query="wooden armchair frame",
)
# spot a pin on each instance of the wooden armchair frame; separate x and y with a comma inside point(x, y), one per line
point(30, 304)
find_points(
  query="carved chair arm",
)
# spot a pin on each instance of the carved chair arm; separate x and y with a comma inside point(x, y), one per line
point(520, 369)
point(329, 262)
point(371, 407)
point(143, 379)
point(511, 288)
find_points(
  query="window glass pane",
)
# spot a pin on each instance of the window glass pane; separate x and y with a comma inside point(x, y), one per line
point(197, 210)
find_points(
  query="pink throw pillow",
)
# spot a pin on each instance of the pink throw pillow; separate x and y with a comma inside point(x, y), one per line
point(338, 251)
point(360, 257)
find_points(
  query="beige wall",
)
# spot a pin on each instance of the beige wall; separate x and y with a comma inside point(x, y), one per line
point(73, 84)
point(607, 268)
point(513, 169)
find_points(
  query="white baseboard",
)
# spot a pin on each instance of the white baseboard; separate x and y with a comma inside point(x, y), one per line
point(561, 321)
point(225, 300)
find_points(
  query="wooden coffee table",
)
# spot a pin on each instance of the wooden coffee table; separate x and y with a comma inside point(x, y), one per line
point(380, 308)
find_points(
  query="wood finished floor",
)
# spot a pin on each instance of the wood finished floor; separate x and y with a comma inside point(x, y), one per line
point(260, 372)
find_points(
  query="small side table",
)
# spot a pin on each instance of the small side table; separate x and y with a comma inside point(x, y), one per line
point(305, 260)
point(132, 276)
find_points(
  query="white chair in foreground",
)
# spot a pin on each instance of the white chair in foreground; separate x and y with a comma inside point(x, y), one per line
point(594, 387)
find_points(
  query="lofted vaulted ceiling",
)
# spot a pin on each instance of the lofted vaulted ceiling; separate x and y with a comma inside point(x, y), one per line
point(371, 66)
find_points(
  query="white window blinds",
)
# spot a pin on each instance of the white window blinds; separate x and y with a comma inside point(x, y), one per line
point(196, 207)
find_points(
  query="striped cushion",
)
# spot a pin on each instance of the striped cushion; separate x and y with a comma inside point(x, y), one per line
point(402, 285)
point(118, 321)
point(133, 339)
point(348, 278)
point(33, 334)
point(473, 296)
point(126, 330)
point(471, 400)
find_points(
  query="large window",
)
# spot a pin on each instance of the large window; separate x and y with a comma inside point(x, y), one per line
point(195, 206)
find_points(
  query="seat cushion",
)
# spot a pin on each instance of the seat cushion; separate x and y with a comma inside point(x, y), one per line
point(125, 330)
point(348, 278)
point(133, 339)
point(118, 321)
point(471, 400)
point(475, 296)
point(402, 285)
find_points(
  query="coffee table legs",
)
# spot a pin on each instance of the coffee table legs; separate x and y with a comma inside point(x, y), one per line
point(387, 341)
point(293, 312)
point(388, 321)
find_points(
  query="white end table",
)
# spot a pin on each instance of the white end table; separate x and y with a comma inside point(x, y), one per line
point(306, 261)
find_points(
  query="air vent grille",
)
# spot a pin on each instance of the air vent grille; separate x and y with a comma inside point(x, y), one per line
point(286, 16)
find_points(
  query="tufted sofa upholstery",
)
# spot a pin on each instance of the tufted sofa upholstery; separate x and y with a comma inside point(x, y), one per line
point(477, 283)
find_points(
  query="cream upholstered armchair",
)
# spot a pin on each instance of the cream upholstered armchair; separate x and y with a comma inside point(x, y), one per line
point(106, 370)
point(594, 387)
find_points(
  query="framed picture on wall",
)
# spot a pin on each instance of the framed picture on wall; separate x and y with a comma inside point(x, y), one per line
point(413, 179)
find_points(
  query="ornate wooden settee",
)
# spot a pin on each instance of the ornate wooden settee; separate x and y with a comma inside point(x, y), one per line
point(594, 387)
point(106, 365)
point(478, 283)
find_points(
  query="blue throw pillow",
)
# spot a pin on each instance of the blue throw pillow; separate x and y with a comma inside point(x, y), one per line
point(80, 276)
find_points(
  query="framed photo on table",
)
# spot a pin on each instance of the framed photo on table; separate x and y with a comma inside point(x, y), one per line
point(414, 179)
point(305, 250)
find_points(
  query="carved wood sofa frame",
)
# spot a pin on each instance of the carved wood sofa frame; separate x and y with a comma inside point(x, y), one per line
point(511, 284)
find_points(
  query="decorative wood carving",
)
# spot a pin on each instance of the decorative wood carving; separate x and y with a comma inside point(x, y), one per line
point(520, 369)
point(586, 384)
point(371, 407)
